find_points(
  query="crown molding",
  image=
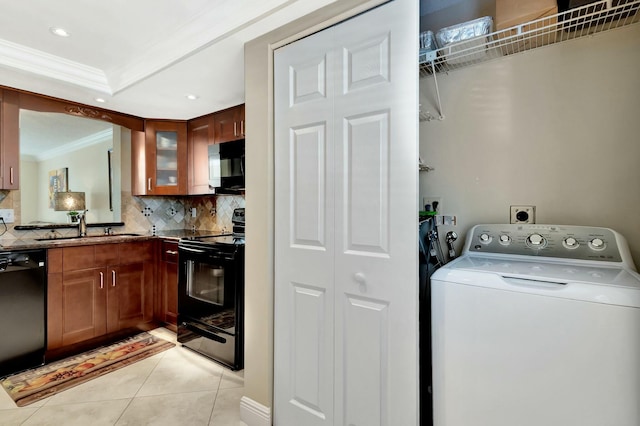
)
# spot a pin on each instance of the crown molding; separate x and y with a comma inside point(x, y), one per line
point(190, 38)
point(44, 64)
point(95, 138)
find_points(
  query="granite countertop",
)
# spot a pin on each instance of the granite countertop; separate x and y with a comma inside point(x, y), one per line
point(32, 243)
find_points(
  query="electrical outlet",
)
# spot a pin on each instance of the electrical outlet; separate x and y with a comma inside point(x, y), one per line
point(523, 214)
point(7, 215)
point(429, 201)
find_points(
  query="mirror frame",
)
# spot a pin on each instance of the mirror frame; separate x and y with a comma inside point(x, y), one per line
point(42, 103)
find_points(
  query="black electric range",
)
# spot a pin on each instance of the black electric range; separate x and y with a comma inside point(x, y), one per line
point(211, 294)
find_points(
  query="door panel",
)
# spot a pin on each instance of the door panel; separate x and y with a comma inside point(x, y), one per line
point(365, 64)
point(367, 326)
point(83, 304)
point(366, 183)
point(129, 300)
point(308, 147)
point(308, 81)
point(308, 332)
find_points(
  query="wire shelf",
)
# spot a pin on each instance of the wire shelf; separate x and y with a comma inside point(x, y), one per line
point(575, 23)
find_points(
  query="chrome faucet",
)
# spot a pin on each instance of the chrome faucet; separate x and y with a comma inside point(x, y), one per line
point(82, 226)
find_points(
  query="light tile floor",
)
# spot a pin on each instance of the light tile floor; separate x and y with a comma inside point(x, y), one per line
point(174, 387)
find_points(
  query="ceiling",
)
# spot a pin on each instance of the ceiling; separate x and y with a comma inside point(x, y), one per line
point(45, 135)
point(143, 56)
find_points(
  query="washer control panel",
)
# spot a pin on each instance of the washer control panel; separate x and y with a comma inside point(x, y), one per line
point(562, 241)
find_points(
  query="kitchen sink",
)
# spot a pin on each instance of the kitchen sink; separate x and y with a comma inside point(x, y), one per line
point(88, 237)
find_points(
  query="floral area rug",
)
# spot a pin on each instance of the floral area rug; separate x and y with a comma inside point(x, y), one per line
point(38, 383)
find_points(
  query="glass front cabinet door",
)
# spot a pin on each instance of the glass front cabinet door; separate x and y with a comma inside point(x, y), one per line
point(166, 157)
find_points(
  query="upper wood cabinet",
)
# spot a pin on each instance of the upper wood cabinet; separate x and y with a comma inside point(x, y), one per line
point(229, 124)
point(200, 136)
point(165, 159)
point(9, 139)
point(223, 126)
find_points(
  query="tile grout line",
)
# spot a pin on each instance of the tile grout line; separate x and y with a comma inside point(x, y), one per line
point(141, 386)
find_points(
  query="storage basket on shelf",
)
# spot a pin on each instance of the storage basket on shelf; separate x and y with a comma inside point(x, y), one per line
point(465, 40)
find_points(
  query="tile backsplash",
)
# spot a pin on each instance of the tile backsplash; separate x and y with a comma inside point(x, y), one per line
point(213, 213)
point(146, 215)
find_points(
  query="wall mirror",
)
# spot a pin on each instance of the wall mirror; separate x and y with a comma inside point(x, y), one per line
point(64, 152)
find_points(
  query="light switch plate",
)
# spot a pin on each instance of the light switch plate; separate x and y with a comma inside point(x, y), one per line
point(7, 215)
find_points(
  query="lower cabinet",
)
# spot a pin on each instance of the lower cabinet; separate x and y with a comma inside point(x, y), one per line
point(99, 289)
point(169, 283)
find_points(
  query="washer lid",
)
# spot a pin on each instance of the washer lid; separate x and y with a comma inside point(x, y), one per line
point(592, 283)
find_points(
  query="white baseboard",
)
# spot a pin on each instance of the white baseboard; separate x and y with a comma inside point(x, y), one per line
point(253, 413)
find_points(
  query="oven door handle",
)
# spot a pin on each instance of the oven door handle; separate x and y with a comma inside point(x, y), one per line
point(192, 250)
point(202, 331)
point(211, 254)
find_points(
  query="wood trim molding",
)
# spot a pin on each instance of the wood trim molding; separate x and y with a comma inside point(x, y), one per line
point(87, 112)
point(42, 103)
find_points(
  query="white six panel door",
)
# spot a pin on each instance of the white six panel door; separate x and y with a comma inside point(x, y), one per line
point(346, 157)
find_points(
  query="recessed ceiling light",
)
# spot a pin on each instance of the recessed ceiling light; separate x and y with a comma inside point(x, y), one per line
point(100, 100)
point(191, 97)
point(61, 32)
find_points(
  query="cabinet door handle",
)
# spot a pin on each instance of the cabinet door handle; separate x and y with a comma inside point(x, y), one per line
point(242, 127)
point(149, 184)
point(101, 280)
point(113, 278)
point(11, 175)
point(171, 252)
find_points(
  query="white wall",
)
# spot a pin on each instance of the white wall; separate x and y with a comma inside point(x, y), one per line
point(556, 127)
point(28, 199)
point(88, 172)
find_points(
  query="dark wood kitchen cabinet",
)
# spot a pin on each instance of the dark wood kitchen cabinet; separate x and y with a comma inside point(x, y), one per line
point(168, 270)
point(200, 133)
point(164, 155)
point(98, 289)
point(229, 124)
point(9, 139)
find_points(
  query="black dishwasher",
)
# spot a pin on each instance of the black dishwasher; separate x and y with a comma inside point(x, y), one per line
point(22, 309)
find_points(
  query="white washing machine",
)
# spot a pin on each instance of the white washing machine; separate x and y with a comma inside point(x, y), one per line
point(537, 325)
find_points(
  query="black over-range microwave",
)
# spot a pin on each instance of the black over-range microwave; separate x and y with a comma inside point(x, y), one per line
point(226, 167)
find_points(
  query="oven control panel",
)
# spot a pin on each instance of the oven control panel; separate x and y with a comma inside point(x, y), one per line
point(561, 241)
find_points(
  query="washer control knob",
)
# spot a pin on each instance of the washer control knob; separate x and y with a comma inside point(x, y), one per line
point(505, 239)
point(485, 238)
point(535, 240)
point(570, 243)
point(597, 244)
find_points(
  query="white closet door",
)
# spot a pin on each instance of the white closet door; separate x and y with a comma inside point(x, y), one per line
point(376, 284)
point(304, 242)
point(346, 230)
